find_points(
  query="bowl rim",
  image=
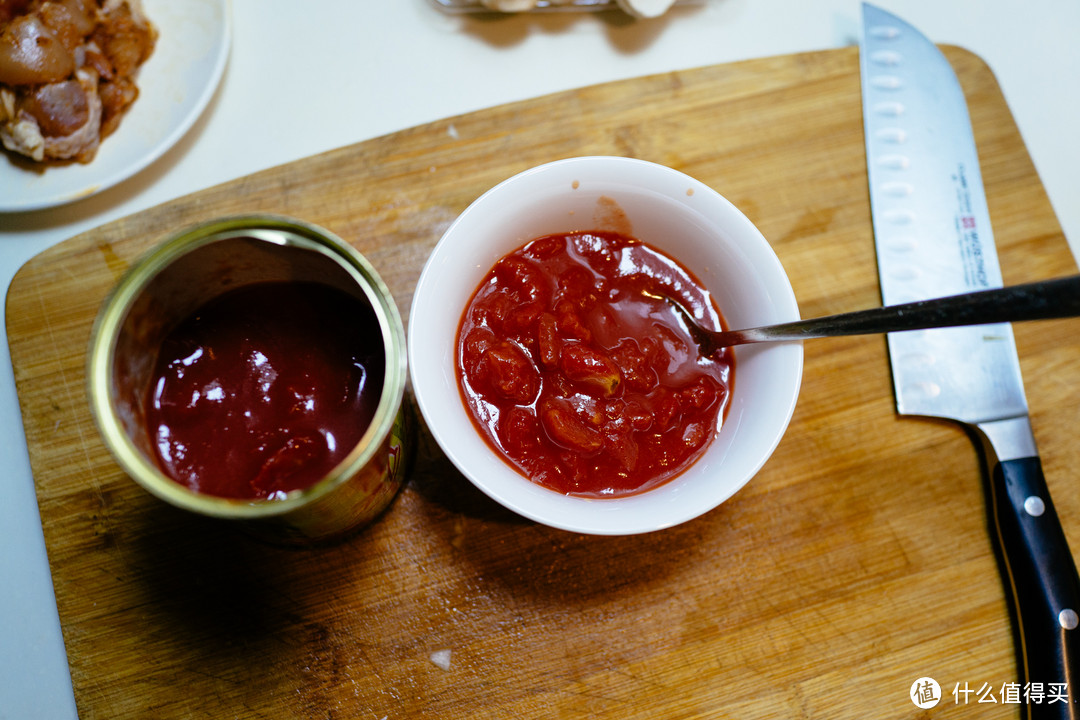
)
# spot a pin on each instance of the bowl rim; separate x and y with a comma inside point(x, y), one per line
point(603, 514)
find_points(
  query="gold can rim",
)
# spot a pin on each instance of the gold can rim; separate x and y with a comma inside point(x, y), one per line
point(279, 230)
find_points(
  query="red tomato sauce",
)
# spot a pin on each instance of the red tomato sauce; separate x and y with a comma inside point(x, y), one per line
point(265, 389)
point(579, 378)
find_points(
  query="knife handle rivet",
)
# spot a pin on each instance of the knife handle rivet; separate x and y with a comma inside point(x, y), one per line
point(1068, 619)
point(1034, 506)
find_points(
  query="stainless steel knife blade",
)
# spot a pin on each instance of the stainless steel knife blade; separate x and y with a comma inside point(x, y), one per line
point(933, 238)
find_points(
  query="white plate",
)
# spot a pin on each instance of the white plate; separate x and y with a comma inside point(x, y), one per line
point(175, 85)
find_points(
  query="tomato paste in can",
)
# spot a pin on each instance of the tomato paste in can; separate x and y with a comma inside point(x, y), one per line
point(253, 368)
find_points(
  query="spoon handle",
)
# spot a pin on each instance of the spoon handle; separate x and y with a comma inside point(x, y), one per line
point(1042, 300)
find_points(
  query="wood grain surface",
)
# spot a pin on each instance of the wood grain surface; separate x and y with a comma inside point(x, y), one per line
point(858, 559)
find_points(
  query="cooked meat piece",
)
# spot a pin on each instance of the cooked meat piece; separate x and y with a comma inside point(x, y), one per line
point(82, 144)
point(39, 115)
point(116, 97)
point(30, 53)
point(124, 39)
point(59, 108)
point(70, 20)
point(67, 73)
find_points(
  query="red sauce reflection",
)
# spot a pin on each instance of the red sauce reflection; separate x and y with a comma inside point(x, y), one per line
point(578, 377)
point(265, 389)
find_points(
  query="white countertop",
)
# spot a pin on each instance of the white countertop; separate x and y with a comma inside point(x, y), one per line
point(308, 77)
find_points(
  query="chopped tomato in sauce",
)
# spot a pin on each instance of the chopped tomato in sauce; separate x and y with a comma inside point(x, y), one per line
point(581, 375)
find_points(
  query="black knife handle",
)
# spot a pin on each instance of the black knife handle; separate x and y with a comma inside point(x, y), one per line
point(1039, 573)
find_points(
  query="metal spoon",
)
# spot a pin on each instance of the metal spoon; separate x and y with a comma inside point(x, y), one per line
point(1042, 300)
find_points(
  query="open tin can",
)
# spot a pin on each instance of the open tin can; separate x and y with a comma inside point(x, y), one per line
point(199, 265)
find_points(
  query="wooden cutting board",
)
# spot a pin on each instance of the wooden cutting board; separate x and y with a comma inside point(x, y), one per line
point(857, 561)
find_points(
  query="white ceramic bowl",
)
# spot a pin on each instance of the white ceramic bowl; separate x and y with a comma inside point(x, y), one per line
point(670, 211)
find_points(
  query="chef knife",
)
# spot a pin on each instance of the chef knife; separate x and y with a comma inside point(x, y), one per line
point(933, 238)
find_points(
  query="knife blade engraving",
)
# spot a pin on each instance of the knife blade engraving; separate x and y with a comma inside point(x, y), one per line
point(972, 255)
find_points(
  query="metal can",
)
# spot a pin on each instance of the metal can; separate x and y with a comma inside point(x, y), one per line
point(182, 274)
